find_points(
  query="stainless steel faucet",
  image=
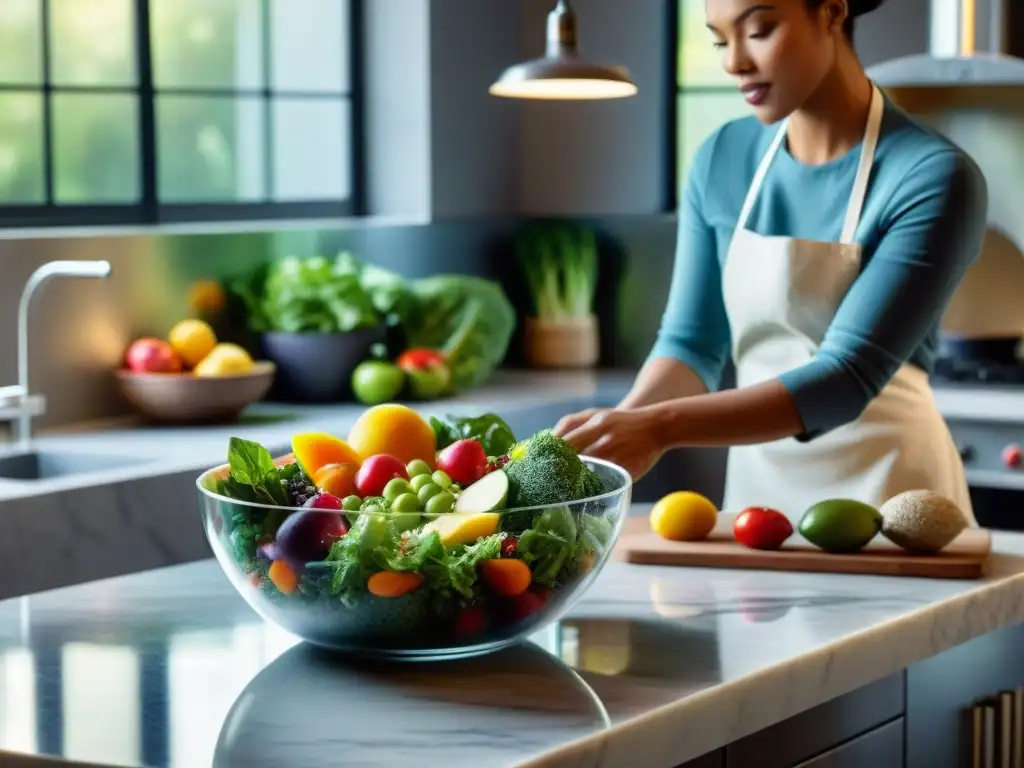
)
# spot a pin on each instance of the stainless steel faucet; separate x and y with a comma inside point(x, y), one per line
point(16, 402)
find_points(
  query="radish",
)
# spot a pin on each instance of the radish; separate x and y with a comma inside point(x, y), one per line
point(464, 461)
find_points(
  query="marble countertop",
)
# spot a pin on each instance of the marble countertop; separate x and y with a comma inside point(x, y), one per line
point(655, 666)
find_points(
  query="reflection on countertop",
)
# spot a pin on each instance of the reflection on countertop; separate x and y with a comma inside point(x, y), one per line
point(655, 666)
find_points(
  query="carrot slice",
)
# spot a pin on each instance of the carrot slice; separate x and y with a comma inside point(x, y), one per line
point(394, 583)
point(283, 576)
point(506, 577)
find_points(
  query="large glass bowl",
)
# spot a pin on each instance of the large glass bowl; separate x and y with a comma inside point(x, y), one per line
point(455, 612)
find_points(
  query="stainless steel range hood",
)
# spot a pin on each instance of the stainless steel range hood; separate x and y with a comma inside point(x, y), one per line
point(970, 44)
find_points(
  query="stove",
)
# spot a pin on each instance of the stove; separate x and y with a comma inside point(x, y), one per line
point(950, 369)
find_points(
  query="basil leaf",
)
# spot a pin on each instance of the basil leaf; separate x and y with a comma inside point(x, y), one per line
point(251, 464)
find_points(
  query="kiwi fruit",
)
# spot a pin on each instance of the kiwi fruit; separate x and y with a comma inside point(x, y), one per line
point(922, 521)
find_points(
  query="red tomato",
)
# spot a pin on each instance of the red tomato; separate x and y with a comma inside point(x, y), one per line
point(464, 461)
point(469, 622)
point(762, 528)
point(527, 604)
point(415, 359)
point(376, 472)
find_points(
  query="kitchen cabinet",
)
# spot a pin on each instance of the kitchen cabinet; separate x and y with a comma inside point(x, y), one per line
point(882, 748)
point(818, 730)
point(917, 718)
point(941, 690)
point(864, 727)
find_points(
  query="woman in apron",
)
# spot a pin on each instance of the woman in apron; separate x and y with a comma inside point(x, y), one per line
point(819, 243)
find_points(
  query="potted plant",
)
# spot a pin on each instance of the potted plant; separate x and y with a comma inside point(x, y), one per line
point(559, 264)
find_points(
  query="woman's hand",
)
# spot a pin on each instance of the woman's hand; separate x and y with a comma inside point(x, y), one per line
point(624, 437)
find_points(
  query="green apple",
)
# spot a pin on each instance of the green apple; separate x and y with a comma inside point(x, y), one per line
point(377, 381)
point(429, 382)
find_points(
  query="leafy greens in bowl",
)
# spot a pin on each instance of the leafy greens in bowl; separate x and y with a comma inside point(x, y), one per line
point(468, 319)
point(367, 576)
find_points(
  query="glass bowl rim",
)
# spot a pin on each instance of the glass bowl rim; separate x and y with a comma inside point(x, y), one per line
point(615, 468)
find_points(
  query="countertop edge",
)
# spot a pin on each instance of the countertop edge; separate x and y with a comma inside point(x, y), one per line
point(836, 668)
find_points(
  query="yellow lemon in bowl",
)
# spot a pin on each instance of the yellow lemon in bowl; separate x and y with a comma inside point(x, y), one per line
point(225, 360)
point(684, 516)
point(193, 340)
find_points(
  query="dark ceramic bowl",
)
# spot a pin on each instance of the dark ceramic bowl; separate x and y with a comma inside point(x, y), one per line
point(317, 367)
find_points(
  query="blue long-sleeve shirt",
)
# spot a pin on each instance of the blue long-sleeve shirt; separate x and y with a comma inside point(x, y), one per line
point(920, 231)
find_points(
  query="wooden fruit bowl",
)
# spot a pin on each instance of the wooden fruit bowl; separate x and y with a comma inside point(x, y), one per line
point(184, 398)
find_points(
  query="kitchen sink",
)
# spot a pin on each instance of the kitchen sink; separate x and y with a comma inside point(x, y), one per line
point(47, 465)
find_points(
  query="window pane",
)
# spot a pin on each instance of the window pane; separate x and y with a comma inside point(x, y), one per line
point(207, 43)
point(96, 148)
point(700, 63)
point(21, 42)
point(21, 148)
point(700, 113)
point(311, 149)
point(310, 45)
point(92, 42)
point(210, 148)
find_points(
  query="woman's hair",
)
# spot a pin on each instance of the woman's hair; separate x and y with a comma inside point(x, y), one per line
point(857, 8)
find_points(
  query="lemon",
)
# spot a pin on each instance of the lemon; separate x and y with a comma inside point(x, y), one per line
point(683, 516)
point(192, 340)
point(225, 360)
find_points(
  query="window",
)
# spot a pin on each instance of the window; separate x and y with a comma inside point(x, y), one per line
point(142, 111)
point(706, 96)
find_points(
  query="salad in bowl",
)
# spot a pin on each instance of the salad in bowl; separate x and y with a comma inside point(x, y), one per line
point(413, 538)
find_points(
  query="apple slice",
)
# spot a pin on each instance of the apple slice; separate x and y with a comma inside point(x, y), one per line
point(487, 494)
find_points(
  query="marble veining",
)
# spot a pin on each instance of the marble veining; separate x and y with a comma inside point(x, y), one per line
point(655, 666)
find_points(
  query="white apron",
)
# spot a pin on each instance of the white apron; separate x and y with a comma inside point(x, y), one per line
point(781, 294)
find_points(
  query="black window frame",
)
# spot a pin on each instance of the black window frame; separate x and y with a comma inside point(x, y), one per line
point(149, 211)
point(676, 91)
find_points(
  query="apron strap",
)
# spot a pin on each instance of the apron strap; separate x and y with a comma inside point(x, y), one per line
point(762, 171)
point(860, 184)
point(867, 160)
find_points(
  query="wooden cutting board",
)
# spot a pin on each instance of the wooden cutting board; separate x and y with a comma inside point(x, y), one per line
point(964, 558)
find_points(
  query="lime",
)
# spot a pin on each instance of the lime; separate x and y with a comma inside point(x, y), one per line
point(376, 381)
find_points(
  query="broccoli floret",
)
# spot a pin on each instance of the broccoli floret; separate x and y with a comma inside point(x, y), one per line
point(547, 470)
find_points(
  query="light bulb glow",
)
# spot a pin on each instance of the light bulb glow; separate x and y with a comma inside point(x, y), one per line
point(569, 89)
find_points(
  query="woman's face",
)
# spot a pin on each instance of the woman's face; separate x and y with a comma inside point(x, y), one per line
point(778, 51)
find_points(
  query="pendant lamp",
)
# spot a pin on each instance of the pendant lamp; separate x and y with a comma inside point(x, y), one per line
point(562, 74)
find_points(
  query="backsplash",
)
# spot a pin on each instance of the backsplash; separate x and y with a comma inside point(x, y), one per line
point(79, 329)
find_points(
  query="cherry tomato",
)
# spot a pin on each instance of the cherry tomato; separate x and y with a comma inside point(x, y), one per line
point(464, 461)
point(762, 528)
point(416, 359)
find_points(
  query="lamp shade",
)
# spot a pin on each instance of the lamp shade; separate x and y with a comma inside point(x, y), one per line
point(562, 74)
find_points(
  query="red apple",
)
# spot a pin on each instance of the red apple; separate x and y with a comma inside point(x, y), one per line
point(149, 355)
